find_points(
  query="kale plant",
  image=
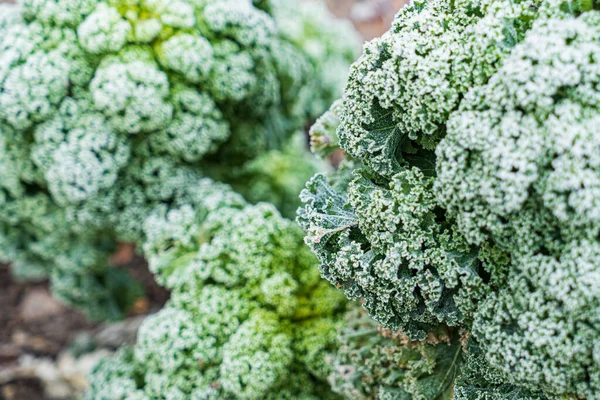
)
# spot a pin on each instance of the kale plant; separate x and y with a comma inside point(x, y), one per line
point(467, 202)
point(249, 316)
point(111, 107)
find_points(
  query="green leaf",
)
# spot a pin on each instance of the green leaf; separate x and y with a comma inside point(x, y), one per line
point(478, 380)
point(438, 385)
point(383, 139)
point(388, 150)
point(326, 212)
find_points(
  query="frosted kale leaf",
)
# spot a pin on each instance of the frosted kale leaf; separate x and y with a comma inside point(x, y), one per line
point(386, 246)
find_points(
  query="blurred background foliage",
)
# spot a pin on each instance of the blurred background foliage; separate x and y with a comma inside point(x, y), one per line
point(47, 348)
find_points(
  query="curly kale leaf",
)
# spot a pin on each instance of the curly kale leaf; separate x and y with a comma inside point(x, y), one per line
point(386, 246)
point(519, 169)
point(249, 316)
point(372, 363)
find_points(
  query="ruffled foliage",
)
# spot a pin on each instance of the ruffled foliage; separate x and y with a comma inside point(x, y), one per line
point(468, 198)
point(376, 363)
point(528, 167)
point(111, 107)
point(248, 318)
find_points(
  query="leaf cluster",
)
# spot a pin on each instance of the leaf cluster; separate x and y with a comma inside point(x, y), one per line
point(109, 108)
point(467, 201)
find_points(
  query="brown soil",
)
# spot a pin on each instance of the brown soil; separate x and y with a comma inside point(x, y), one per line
point(32, 322)
point(22, 389)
